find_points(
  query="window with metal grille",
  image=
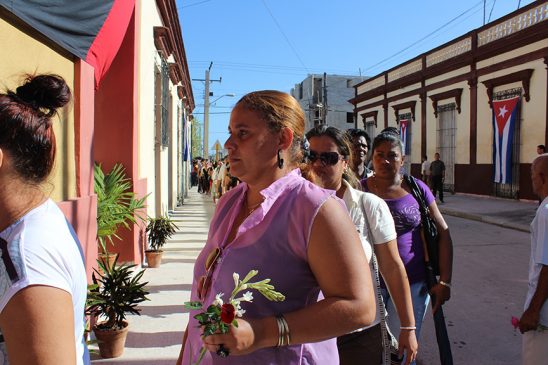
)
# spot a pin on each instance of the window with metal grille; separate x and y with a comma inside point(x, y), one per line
point(407, 140)
point(349, 117)
point(446, 142)
point(370, 129)
point(164, 103)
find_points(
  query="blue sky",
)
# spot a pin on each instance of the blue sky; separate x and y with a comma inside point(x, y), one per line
point(275, 44)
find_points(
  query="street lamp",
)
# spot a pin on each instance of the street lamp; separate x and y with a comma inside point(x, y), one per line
point(206, 119)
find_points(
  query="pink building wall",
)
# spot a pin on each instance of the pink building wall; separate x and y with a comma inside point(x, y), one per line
point(116, 128)
point(81, 212)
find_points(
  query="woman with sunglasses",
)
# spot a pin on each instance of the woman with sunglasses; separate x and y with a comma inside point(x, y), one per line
point(387, 182)
point(43, 282)
point(291, 231)
point(330, 157)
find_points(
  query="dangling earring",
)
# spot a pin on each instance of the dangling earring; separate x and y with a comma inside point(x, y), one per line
point(280, 160)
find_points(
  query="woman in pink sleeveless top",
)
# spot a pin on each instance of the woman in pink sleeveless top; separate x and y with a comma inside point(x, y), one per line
point(292, 232)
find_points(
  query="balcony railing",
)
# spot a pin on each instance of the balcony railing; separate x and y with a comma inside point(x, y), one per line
point(452, 50)
point(525, 19)
point(519, 22)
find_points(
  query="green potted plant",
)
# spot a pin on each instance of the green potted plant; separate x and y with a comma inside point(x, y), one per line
point(117, 206)
point(114, 292)
point(159, 230)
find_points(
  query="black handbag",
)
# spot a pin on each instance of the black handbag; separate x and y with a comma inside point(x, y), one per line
point(432, 268)
point(430, 229)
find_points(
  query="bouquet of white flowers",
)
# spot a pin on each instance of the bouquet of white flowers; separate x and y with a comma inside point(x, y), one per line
point(220, 315)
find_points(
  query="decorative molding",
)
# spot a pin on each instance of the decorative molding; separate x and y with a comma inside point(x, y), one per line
point(372, 114)
point(162, 41)
point(525, 36)
point(170, 20)
point(524, 76)
point(455, 93)
point(407, 105)
point(470, 77)
point(175, 72)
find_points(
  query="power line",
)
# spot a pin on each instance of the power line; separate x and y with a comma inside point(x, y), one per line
point(286, 38)
point(423, 38)
point(491, 12)
point(193, 4)
point(453, 25)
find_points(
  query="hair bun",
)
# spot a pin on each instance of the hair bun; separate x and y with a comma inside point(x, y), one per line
point(44, 91)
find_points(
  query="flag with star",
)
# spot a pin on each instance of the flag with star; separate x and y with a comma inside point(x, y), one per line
point(505, 113)
point(404, 135)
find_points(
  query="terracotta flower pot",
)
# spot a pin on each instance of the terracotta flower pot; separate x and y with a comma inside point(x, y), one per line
point(107, 259)
point(154, 258)
point(111, 342)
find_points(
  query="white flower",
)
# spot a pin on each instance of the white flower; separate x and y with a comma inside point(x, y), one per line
point(239, 312)
point(247, 297)
point(218, 300)
point(236, 278)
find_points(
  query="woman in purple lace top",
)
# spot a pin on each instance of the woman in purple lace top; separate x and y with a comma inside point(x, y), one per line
point(387, 182)
point(291, 231)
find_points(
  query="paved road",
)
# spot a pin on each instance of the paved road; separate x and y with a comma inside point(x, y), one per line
point(489, 286)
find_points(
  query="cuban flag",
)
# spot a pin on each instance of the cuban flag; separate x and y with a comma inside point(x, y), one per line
point(404, 134)
point(505, 113)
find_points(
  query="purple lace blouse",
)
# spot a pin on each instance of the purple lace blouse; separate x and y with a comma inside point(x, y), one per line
point(407, 219)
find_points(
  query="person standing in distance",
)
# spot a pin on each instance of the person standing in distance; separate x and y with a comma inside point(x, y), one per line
point(43, 282)
point(534, 320)
point(541, 149)
point(437, 175)
point(360, 148)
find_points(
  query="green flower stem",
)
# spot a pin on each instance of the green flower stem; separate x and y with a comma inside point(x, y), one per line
point(202, 354)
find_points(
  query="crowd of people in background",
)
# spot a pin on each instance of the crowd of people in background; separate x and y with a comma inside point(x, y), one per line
point(212, 177)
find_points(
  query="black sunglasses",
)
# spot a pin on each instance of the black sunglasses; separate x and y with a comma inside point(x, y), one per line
point(327, 158)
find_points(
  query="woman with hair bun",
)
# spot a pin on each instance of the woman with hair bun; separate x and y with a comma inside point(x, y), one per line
point(42, 275)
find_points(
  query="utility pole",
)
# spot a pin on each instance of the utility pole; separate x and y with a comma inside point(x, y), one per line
point(207, 81)
point(324, 98)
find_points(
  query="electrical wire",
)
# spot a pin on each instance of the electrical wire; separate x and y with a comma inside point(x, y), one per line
point(491, 12)
point(285, 36)
point(193, 4)
point(425, 37)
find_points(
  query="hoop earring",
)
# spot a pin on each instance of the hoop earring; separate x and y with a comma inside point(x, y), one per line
point(280, 160)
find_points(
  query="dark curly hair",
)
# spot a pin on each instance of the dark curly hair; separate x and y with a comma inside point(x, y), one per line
point(26, 131)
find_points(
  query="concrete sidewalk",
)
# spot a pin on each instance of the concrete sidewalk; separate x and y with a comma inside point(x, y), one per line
point(508, 213)
point(155, 336)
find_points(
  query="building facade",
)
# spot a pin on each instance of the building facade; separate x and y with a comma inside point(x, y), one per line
point(131, 102)
point(324, 99)
point(479, 100)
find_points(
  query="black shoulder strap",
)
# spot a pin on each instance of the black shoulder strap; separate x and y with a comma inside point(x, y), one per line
point(8, 263)
point(417, 193)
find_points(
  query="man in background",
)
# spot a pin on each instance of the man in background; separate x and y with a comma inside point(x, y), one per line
point(534, 320)
point(541, 149)
point(437, 175)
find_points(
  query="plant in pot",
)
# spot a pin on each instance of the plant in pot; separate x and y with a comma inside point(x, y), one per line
point(114, 292)
point(159, 230)
point(117, 206)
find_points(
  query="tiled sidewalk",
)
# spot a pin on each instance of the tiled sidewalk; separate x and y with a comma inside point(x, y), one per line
point(155, 336)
